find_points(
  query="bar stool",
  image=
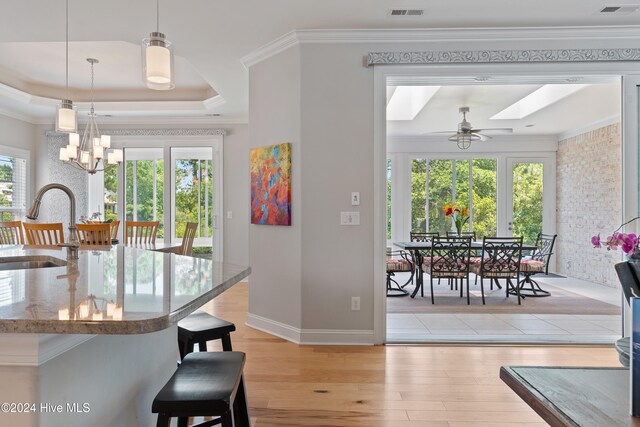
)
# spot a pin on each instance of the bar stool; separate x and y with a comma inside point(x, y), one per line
point(205, 384)
point(200, 327)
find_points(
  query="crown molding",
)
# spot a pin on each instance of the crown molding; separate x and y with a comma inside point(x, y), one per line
point(270, 49)
point(590, 127)
point(21, 117)
point(155, 132)
point(296, 37)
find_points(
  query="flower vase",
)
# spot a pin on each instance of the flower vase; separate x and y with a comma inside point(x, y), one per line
point(458, 229)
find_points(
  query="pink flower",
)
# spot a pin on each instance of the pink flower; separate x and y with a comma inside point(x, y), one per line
point(628, 242)
point(595, 241)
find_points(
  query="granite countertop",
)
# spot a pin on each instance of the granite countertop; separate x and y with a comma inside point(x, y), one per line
point(120, 290)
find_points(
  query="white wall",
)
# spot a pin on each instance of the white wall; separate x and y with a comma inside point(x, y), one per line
point(275, 251)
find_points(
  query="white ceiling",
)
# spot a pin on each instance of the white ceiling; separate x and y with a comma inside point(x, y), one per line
point(210, 37)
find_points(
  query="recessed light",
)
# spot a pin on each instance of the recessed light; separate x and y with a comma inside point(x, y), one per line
point(529, 125)
point(482, 78)
point(574, 79)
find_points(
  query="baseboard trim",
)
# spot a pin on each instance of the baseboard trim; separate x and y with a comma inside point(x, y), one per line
point(310, 336)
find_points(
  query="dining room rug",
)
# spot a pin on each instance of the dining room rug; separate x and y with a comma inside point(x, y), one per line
point(560, 301)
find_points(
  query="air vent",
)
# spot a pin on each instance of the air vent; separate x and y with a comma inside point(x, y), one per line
point(619, 10)
point(406, 12)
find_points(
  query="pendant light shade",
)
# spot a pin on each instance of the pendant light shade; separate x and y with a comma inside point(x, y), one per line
point(66, 116)
point(157, 59)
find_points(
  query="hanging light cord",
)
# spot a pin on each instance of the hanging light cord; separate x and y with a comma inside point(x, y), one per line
point(157, 15)
point(91, 87)
point(66, 61)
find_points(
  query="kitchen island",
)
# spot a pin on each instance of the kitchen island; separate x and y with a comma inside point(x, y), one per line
point(90, 342)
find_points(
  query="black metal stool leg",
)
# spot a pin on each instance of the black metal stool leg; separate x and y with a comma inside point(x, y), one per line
point(226, 343)
point(163, 420)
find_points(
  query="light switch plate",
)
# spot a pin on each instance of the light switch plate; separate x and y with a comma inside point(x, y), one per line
point(229, 214)
point(355, 198)
point(349, 218)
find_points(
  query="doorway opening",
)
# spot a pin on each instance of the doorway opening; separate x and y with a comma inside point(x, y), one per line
point(535, 164)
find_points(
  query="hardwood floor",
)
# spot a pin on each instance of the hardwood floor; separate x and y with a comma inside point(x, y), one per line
point(292, 385)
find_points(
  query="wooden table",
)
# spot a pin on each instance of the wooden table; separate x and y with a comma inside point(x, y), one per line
point(564, 396)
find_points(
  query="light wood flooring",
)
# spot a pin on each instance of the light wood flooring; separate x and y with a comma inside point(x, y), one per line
point(292, 385)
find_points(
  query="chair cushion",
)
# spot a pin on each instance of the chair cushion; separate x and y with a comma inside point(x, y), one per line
point(204, 384)
point(201, 326)
point(531, 266)
point(493, 270)
point(475, 260)
point(399, 265)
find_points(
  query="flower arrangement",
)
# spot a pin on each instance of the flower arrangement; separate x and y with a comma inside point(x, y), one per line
point(459, 216)
point(628, 242)
point(95, 217)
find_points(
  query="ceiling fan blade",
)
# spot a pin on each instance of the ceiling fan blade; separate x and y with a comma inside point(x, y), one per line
point(493, 130)
point(443, 131)
point(481, 136)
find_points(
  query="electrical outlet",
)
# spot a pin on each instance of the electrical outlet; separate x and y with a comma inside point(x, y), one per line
point(355, 303)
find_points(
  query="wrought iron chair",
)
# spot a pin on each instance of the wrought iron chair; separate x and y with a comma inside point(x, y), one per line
point(537, 262)
point(398, 262)
point(450, 260)
point(471, 234)
point(11, 233)
point(423, 236)
point(43, 234)
point(500, 260)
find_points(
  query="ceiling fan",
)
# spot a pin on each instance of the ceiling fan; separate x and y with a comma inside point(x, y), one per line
point(466, 133)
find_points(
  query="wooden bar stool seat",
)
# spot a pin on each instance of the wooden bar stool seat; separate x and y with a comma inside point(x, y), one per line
point(205, 384)
point(200, 327)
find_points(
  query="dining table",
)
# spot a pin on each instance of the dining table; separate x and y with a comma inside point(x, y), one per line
point(417, 250)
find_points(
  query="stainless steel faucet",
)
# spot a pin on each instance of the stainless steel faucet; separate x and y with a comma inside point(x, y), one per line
point(34, 211)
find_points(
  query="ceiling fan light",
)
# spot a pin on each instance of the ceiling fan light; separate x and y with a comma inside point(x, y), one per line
point(464, 141)
point(157, 62)
point(66, 117)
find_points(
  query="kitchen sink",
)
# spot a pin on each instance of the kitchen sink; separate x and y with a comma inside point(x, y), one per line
point(30, 261)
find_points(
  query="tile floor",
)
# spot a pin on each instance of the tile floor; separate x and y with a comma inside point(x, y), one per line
point(512, 328)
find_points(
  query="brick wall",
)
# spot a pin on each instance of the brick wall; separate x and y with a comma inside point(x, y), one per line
point(589, 187)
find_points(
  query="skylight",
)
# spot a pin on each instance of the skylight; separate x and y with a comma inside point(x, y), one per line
point(537, 100)
point(407, 101)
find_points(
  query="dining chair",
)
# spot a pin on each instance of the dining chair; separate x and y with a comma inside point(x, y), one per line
point(11, 233)
point(140, 232)
point(450, 260)
point(398, 262)
point(537, 262)
point(423, 236)
point(500, 260)
point(187, 240)
point(115, 226)
point(471, 234)
point(43, 234)
point(94, 234)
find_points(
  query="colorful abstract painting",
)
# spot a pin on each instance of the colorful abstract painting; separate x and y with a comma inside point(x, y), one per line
point(271, 184)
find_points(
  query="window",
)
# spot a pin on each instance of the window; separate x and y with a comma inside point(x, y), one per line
point(13, 187)
point(470, 183)
point(144, 186)
point(389, 163)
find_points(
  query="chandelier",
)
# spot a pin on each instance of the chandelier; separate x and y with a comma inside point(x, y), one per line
point(66, 117)
point(157, 59)
point(89, 153)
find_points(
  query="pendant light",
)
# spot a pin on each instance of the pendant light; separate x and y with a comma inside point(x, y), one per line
point(157, 59)
point(66, 116)
point(91, 153)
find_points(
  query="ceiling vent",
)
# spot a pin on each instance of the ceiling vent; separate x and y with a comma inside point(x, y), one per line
point(406, 12)
point(619, 10)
